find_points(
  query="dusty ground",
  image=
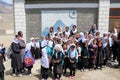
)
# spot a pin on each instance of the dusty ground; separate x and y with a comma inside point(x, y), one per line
point(104, 74)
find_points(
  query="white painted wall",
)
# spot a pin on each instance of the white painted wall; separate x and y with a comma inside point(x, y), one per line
point(50, 17)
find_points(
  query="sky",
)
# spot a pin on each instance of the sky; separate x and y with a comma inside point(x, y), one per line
point(8, 1)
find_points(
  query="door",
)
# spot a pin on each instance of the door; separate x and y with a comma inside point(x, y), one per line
point(114, 19)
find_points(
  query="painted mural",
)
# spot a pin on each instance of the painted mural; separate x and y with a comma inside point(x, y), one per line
point(57, 18)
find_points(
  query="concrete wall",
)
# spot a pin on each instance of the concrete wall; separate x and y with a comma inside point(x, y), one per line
point(85, 18)
point(20, 17)
point(60, 1)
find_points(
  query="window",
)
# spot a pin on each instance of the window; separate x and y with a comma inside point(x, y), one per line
point(115, 13)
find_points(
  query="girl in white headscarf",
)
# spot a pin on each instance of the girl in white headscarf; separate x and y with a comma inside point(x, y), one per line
point(73, 59)
point(57, 62)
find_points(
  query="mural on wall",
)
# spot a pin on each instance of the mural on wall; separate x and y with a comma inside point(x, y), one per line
point(57, 18)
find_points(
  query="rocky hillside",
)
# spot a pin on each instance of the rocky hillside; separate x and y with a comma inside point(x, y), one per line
point(6, 17)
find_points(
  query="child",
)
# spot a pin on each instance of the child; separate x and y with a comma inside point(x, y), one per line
point(106, 51)
point(84, 55)
point(73, 59)
point(95, 51)
point(45, 61)
point(57, 62)
point(28, 59)
point(99, 55)
point(3, 50)
point(79, 49)
point(37, 49)
point(66, 60)
point(2, 68)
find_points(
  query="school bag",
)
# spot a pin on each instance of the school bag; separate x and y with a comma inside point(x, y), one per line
point(9, 52)
point(28, 59)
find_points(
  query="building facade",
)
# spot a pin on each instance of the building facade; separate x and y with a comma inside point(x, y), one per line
point(35, 16)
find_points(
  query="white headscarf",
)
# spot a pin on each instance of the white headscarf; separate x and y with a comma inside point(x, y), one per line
point(82, 38)
point(58, 47)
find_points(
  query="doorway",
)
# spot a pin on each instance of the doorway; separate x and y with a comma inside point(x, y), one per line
point(114, 19)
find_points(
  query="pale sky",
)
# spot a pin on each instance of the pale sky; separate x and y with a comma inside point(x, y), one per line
point(8, 1)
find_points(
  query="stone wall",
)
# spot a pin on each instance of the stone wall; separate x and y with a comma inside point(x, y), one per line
point(85, 18)
point(33, 21)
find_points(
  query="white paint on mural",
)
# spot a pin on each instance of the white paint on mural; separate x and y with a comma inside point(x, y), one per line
point(58, 17)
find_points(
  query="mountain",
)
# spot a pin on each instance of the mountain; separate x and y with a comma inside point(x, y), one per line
point(59, 23)
point(5, 8)
point(6, 17)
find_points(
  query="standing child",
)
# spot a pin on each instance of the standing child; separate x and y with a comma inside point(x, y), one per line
point(73, 58)
point(79, 49)
point(99, 55)
point(3, 50)
point(57, 62)
point(84, 56)
point(105, 51)
point(45, 61)
point(66, 60)
point(2, 68)
point(95, 51)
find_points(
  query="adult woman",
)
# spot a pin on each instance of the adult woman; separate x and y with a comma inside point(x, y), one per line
point(16, 62)
point(22, 47)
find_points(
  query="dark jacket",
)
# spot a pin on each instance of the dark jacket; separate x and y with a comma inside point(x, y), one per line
point(58, 66)
point(99, 55)
point(16, 61)
point(2, 68)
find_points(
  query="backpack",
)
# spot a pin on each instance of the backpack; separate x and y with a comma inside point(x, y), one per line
point(28, 59)
point(9, 52)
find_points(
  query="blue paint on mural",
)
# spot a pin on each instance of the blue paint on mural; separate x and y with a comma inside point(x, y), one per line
point(45, 31)
point(59, 23)
point(71, 26)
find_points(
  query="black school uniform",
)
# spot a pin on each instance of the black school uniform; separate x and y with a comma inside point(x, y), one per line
point(114, 48)
point(57, 67)
point(84, 54)
point(66, 62)
point(95, 51)
point(16, 61)
point(74, 58)
point(2, 68)
point(106, 54)
point(91, 53)
point(99, 57)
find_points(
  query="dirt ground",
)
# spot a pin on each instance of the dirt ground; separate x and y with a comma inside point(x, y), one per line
point(107, 73)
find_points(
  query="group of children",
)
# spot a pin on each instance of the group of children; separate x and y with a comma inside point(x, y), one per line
point(62, 50)
point(70, 49)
